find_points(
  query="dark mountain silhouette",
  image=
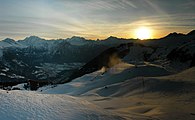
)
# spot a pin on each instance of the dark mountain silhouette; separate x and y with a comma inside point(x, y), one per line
point(104, 59)
point(172, 35)
point(191, 33)
point(35, 58)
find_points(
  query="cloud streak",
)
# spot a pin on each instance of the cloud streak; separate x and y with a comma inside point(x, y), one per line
point(93, 18)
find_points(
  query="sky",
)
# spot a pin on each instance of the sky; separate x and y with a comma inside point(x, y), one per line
point(94, 19)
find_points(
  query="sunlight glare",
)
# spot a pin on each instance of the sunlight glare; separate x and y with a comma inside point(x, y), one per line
point(143, 33)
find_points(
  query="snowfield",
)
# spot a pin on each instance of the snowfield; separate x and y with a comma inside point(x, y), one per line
point(25, 105)
point(125, 91)
point(99, 79)
point(144, 91)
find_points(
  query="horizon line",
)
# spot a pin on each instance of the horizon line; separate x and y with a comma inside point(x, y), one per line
point(95, 39)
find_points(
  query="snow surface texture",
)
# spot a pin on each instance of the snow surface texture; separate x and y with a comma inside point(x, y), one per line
point(25, 105)
point(117, 74)
point(144, 91)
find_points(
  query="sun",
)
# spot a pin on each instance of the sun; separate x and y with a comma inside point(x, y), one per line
point(143, 33)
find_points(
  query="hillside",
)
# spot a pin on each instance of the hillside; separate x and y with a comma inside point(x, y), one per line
point(112, 79)
point(132, 92)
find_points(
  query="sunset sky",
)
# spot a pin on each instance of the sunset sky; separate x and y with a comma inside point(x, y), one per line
point(94, 19)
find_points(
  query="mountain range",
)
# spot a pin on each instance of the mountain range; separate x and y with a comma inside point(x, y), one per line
point(62, 60)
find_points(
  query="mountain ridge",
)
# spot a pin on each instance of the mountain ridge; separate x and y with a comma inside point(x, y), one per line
point(54, 61)
point(173, 34)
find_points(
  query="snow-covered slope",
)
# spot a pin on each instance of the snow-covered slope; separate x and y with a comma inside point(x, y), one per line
point(23, 105)
point(99, 79)
point(132, 91)
point(10, 43)
point(6, 43)
point(39, 43)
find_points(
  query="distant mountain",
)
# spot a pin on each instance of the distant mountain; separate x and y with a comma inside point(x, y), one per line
point(192, 33)
point(77, 40)
point(35, 58)
point(172, 35)
point(38, 59)
point(8, 40)
point(9, 43)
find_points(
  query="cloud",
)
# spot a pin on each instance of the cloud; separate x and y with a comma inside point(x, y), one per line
point(92, 18)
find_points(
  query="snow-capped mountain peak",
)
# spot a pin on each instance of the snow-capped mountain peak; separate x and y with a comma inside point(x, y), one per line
point(33, 41)
point(32, 38)
point(9, 40)
point(75, 40)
